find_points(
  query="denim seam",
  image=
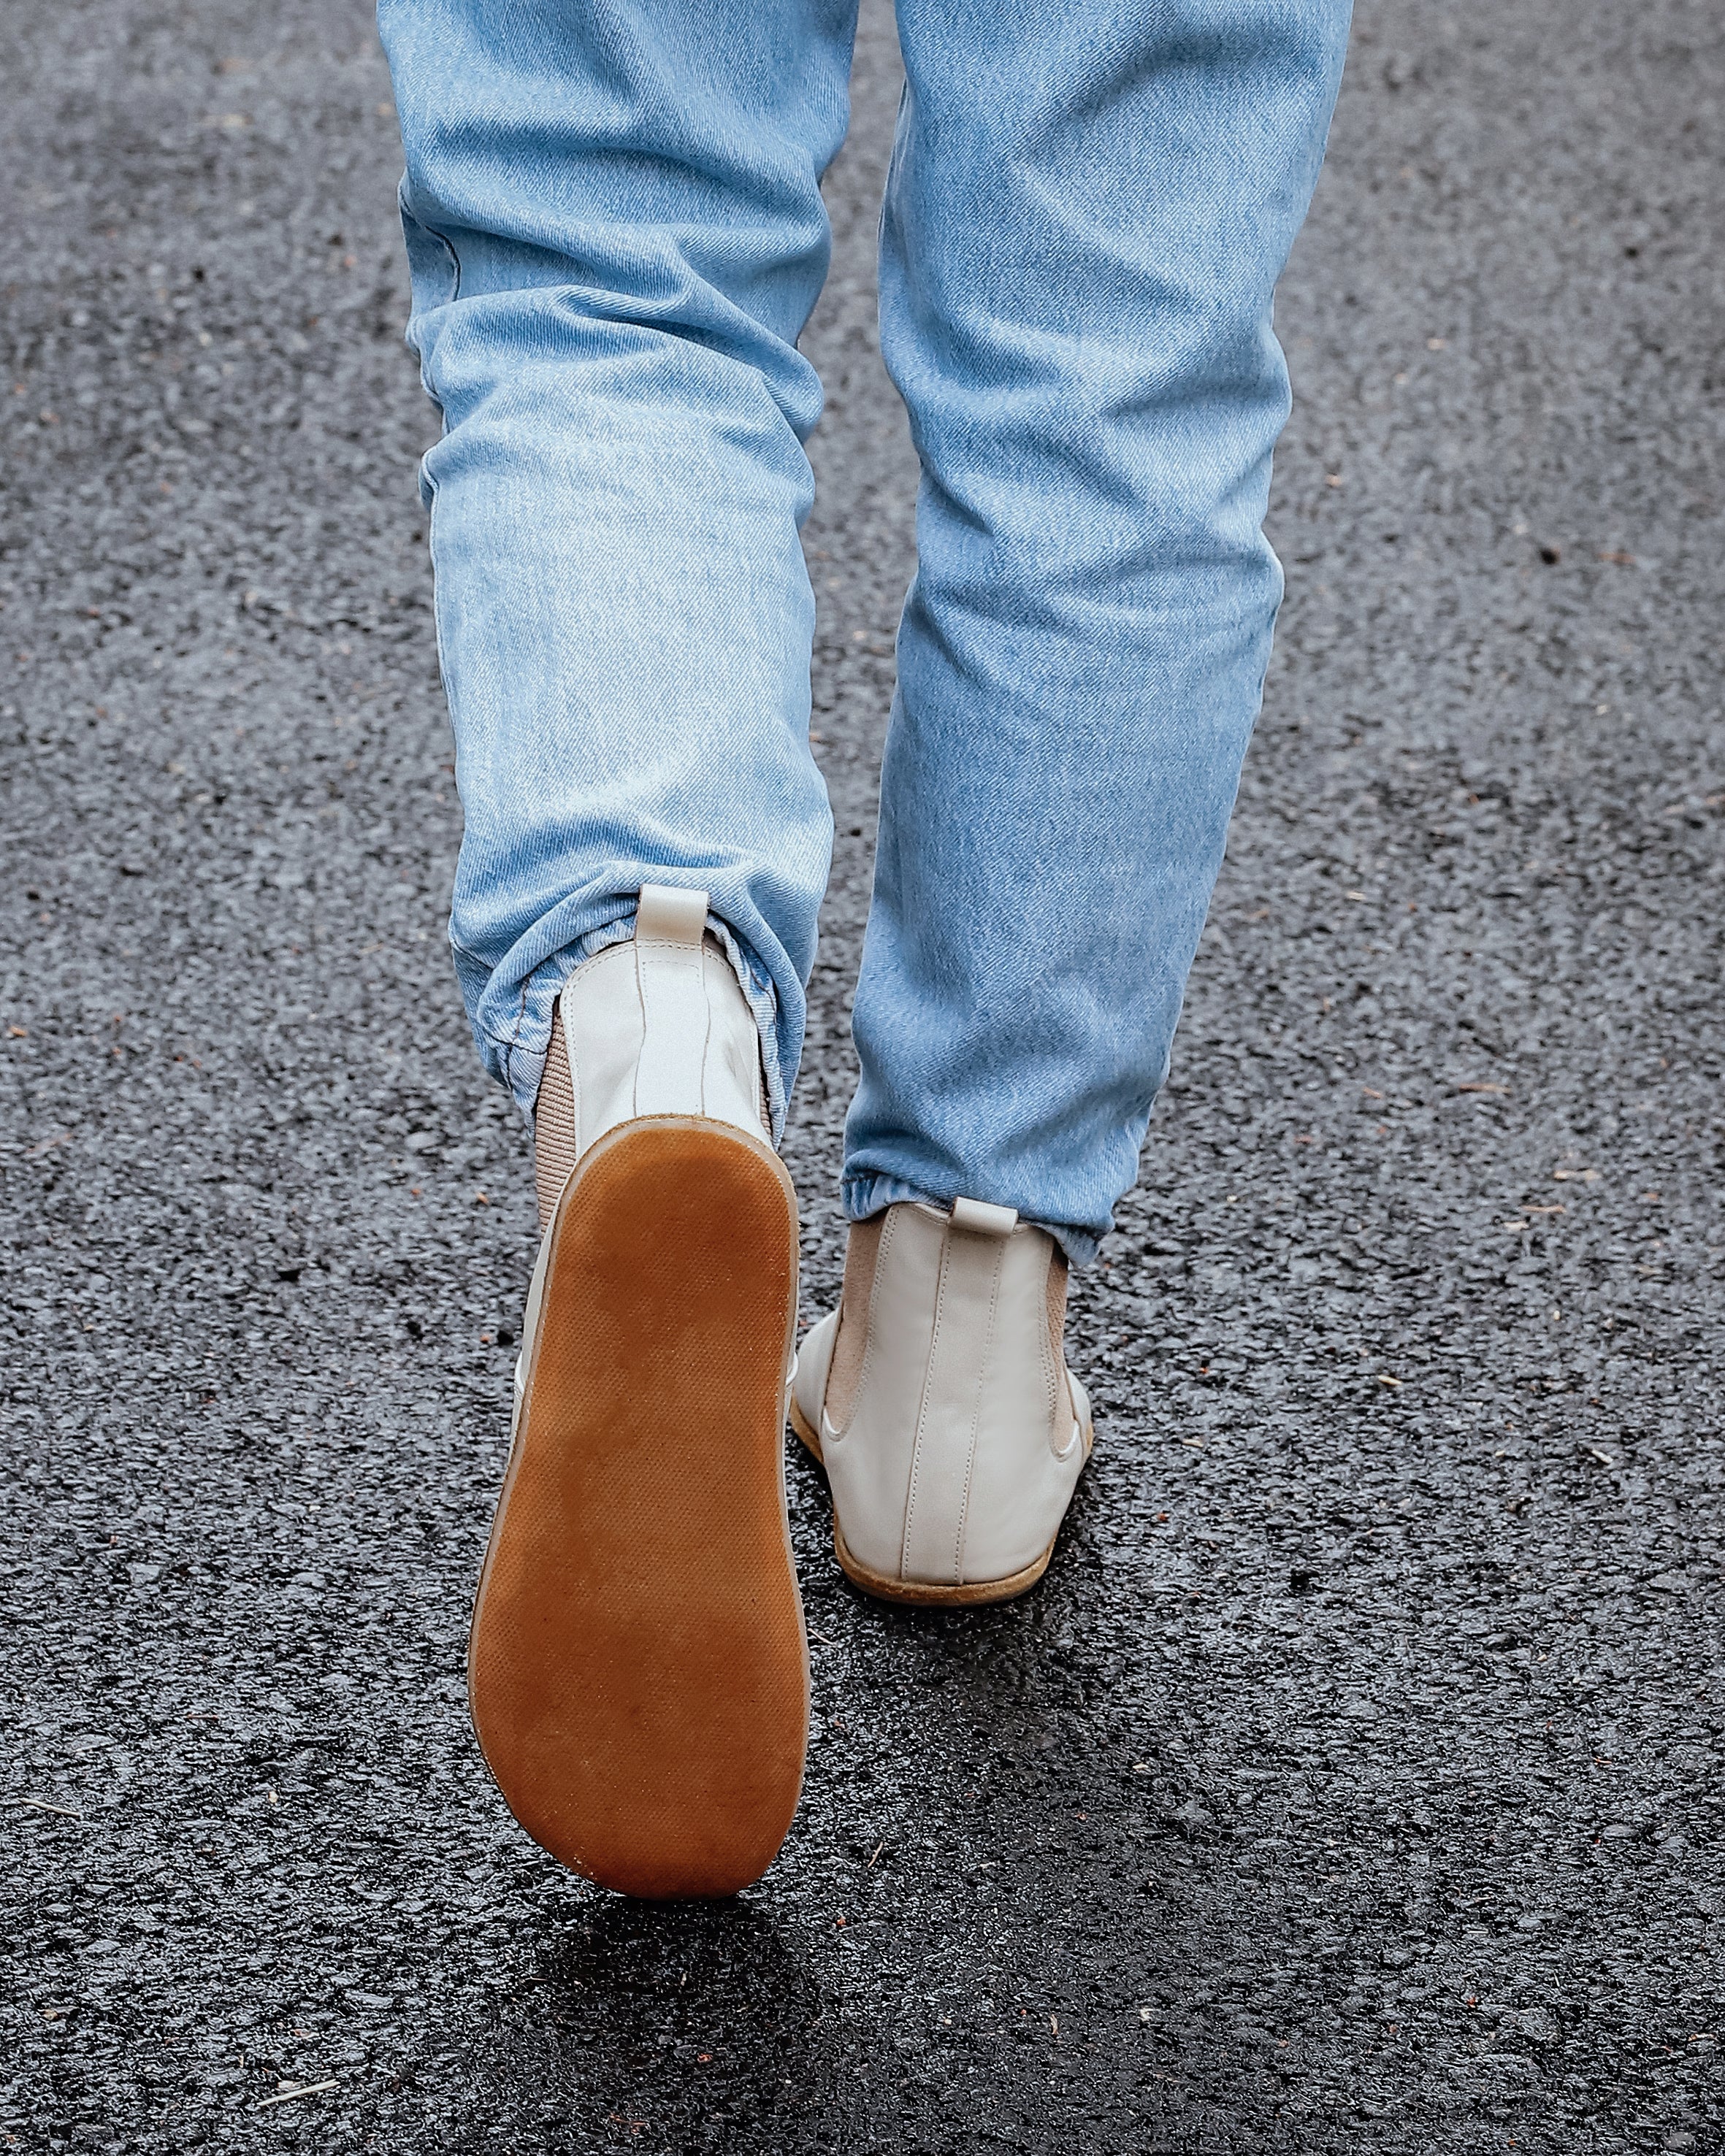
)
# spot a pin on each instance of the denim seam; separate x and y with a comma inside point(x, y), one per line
point(432, 231)
point(510, 1046)
point(503, 1041)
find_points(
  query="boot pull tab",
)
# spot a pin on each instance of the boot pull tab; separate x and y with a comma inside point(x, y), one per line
point(971, 1214)
point(664, 915)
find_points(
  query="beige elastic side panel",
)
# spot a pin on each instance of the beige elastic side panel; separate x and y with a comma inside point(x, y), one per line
point(949, 1426)
point(554, 1124)
point(847, 1365)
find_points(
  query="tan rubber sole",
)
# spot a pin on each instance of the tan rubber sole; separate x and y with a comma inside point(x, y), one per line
point(637, 1667)
point(926, 1593)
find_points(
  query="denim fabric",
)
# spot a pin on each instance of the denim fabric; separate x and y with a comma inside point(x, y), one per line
point(616, 235)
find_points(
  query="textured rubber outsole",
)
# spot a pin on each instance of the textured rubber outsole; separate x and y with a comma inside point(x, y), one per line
point(638, 1668)
point(923, 1593)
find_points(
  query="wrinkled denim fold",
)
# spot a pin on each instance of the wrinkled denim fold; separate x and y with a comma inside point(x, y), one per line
point(615, 233)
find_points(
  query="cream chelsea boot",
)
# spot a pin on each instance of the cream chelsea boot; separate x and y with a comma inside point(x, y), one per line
point(937, 1397)
point(637, 1667)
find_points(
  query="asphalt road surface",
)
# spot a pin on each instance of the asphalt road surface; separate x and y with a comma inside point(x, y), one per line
point(1353, 1781)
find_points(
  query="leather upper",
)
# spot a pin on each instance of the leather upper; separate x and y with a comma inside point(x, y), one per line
point(957, 1460)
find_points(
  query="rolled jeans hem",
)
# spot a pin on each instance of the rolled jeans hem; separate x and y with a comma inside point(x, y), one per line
point(863, 1196)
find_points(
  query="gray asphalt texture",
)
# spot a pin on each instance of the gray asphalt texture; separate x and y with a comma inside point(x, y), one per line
point(1353, 1780)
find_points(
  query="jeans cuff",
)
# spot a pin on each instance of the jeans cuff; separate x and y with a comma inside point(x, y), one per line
point(863, 1196)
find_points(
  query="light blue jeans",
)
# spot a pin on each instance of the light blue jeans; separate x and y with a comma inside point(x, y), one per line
point(615, 232)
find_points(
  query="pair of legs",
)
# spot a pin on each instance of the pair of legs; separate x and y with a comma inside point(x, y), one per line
point(616, 236)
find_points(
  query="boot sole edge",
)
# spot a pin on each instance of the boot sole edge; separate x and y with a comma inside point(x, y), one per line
point(918, 1593)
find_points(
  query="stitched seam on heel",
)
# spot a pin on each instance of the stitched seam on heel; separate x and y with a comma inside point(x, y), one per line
point(675, 976)
point(964, 1505)
point(922, 1408)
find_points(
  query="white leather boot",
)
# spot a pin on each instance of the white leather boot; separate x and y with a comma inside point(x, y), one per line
point(637, 1667)
point(937, 1398)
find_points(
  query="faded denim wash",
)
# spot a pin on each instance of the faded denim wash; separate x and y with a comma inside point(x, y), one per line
point(615, 232)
